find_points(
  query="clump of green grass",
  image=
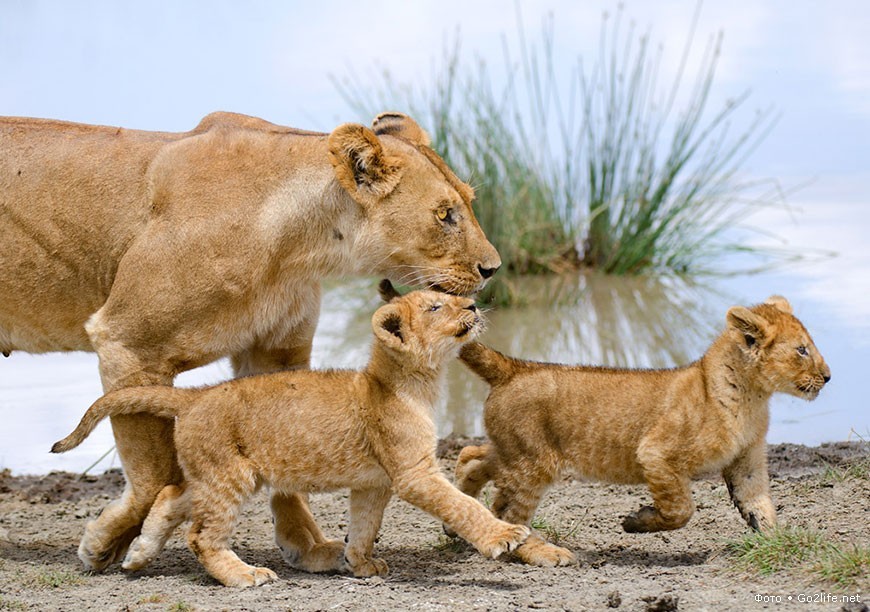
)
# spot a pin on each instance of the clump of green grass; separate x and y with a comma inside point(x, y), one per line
point(447, 544)
point(180, 606)
point(552, 532)
point(800, 549)
point(593, 169)
point(856, 470)
point(58, 578)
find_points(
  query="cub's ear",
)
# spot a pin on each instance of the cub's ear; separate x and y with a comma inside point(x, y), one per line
point(387, 292)
point(389, 326)
point(398, 124)
point(360, 164)
point(753, 327)
point(780, 302)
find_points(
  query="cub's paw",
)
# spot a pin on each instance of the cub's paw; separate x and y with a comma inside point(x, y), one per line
point(502, 539)
point(253, 576)
point(536, 551)
point(366, 567)
point(141, 553)
point(642, 521)
point(323, 557)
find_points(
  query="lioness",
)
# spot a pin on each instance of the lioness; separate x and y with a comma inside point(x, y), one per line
point(659, 427)
point(314, 431)
point(163, 252)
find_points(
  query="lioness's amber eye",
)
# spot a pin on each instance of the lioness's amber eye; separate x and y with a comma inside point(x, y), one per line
point(802, 350)
point(441, 213)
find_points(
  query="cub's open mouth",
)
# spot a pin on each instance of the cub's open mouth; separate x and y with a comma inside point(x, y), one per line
point(466, 327)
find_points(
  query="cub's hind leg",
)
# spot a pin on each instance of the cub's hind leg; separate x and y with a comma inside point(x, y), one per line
point(474, 468)
point(170, 509)
point(215, 508)
point(520, 487)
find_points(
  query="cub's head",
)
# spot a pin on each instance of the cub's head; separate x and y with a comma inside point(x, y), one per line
point(426, 327)
point(418, 213)
point(781, 348)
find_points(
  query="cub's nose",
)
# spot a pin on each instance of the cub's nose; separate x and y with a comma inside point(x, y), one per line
point(472, 308)
point(827, 377)
point(487, 272)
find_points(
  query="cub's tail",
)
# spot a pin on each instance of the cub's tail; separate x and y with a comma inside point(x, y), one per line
point(489, 364)
point(157, 400)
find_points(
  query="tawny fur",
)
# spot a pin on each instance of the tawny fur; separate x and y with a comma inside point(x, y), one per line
point(659, 427)
point(371, 431)
point(166, 251)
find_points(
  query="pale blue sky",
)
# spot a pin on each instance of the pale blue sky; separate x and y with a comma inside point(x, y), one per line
point(164, 64)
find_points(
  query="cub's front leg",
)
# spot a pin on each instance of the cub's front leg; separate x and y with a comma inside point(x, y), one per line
point(426, 487)
point(366, 513)
point(749, 486)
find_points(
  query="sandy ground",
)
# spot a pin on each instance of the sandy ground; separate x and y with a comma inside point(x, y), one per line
point(42, 518)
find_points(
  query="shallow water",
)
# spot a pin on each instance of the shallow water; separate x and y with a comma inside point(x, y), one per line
point(582, 318)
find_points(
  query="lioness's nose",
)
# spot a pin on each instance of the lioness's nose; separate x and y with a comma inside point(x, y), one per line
point(487, 272)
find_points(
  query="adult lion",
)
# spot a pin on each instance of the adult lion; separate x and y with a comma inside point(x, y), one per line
point(166, 251)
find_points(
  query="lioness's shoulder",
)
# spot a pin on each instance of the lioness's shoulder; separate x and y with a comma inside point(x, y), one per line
point(226, 120)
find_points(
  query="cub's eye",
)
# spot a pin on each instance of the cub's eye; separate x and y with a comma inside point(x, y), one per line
point(434, 307)
point(802, 350)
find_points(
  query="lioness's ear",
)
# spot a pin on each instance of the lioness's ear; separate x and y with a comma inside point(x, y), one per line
point(387, 292)
point(398, 124)
point(780, 302)
point(360, 164)
point(388, 325)
point(753, 327)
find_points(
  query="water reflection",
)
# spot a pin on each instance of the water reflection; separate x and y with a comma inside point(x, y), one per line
point(580, 318)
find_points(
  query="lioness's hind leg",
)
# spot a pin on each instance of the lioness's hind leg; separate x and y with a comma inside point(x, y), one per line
point(170, 509)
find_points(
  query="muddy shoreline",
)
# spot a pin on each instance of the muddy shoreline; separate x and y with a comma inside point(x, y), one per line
point(42, 518)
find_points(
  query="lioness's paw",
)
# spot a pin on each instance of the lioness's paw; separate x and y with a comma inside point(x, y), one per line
point(536, 551)
point(253, 576)
point(96, 553)
point(505, 540)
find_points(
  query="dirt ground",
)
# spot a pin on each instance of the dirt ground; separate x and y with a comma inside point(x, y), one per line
point(42, 518)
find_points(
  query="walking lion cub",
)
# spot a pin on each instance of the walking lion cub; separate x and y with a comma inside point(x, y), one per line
point(369, 430)
point(659, 427)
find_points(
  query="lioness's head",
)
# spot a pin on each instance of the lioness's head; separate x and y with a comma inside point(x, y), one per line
point(423, 231)
point(781, 348)
point(426, 327)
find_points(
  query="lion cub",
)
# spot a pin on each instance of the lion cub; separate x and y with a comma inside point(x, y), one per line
point(369, 430)
point(659, 427)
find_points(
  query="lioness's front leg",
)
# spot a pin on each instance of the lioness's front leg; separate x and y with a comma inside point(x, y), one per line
point(366, 513)
point(749, 486)
point(301, 541)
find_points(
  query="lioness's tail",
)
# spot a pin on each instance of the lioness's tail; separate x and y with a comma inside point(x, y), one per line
point(157, 400)
point(489, 364)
